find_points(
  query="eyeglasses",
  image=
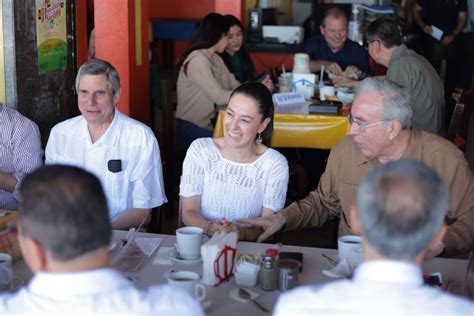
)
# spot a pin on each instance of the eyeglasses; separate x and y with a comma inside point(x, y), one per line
point(361, 126)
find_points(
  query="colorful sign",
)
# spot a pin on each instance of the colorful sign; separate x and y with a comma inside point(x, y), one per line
point(51, 35)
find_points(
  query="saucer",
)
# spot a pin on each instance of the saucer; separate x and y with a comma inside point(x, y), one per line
point(206, 303)
point(178, 258)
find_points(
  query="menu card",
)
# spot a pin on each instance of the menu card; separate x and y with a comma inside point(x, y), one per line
point(135, 253)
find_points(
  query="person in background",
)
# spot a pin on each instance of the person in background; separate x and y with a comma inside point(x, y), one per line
point(20, 153)
point(381, 131)
point(400, 214)
point(122, 152)
point(204, 82)
point(449, 17)
point(235, 56)
point(339, 55)
point(64, 233)
point(410, 70)
point(237, 176)
point(466, 50)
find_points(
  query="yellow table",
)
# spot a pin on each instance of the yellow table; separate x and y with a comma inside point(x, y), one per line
point(302, 131)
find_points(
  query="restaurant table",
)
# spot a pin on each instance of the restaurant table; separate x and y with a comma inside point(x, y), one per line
point(222, 304)
point(301, 131)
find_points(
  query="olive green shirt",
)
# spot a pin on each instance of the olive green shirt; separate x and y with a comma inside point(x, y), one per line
point(415, 73)
point(346, 166)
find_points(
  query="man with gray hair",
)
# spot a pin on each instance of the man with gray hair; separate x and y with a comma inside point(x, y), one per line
point(400, 212)
point(123, 153)
point(408, 69)
point(64, 233)
point(380, 132)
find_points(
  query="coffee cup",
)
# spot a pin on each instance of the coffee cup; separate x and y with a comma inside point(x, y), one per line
point(284, 82)
point(288, 270)
point(6, 271)
point(189, 240)
point(349, 247)
point(326, 91)
point(188, 281)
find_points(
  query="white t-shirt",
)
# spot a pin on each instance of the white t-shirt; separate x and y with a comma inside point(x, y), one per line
point(233, 190)
point(377, 288)
point(139, 184)
point(95, 292)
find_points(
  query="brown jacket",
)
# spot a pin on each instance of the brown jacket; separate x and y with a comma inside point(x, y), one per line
point(346, 165)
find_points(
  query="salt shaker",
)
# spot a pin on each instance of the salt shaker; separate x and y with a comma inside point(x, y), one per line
point(268, 274)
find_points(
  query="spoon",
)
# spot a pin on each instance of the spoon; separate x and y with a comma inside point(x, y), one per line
point(246, 296)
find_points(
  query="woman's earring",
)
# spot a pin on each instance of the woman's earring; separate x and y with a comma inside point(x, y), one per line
point(259, 138)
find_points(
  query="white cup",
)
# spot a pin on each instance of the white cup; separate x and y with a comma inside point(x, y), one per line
point(350, 248)
point(325, 91)
point(188, 281)
point(6, 271)
point(189, 240)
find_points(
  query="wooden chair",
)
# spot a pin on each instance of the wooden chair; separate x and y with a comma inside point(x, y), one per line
point(458, 127)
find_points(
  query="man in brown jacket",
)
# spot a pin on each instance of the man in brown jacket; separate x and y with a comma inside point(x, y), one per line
point(380, 132)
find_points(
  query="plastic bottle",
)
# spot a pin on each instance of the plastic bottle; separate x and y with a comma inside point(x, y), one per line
point(268, 274)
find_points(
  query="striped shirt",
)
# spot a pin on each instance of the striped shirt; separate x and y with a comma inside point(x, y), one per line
point(20, 151)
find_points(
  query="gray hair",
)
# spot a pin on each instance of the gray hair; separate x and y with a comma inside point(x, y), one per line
point(100, 67)
point(334, 12)
point(401, 208)
point(396, 99)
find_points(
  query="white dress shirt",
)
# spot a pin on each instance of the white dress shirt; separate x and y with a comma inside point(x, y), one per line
point(95, 292)
point(233, 190)
point(377, 288)
point(139, 184)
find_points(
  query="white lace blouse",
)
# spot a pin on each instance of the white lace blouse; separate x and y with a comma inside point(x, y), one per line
point(233, 190)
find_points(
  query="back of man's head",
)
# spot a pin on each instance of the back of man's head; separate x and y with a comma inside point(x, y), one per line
point(65, 210)
point(401, 208)
point(386, 30)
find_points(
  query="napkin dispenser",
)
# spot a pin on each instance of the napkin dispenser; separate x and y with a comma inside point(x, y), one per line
point(218, 256)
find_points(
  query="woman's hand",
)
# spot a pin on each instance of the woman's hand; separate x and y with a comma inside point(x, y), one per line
point(267, 82)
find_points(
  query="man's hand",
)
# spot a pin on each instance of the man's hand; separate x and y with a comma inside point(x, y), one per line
point(335, 69)
point(446, 40)
point(341, 81)
point(270, 224)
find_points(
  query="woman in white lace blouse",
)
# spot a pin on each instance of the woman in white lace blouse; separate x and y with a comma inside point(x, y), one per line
point(237, 176)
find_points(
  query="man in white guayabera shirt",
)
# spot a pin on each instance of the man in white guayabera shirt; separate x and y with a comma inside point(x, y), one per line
point(123, 153)
point(64, 233)
point(400, 212)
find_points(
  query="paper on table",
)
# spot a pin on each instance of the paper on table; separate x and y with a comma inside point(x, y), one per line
point(135, 252)
point(436, 32)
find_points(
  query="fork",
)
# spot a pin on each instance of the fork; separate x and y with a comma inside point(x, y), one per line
point(244, 294)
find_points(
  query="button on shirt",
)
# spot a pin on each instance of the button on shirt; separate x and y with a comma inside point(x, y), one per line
point(377, 288)
point(20, 151)
point(94, 292)
point(139, 183)
point(351, 54)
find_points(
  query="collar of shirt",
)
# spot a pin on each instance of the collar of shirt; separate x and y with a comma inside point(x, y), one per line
point(389, 271)
point(90, 282)
point(108, 137)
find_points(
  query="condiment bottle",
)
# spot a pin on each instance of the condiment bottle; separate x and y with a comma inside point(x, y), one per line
point(268, 274)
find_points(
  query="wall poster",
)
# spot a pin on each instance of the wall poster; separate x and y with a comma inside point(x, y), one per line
point(51, 35)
